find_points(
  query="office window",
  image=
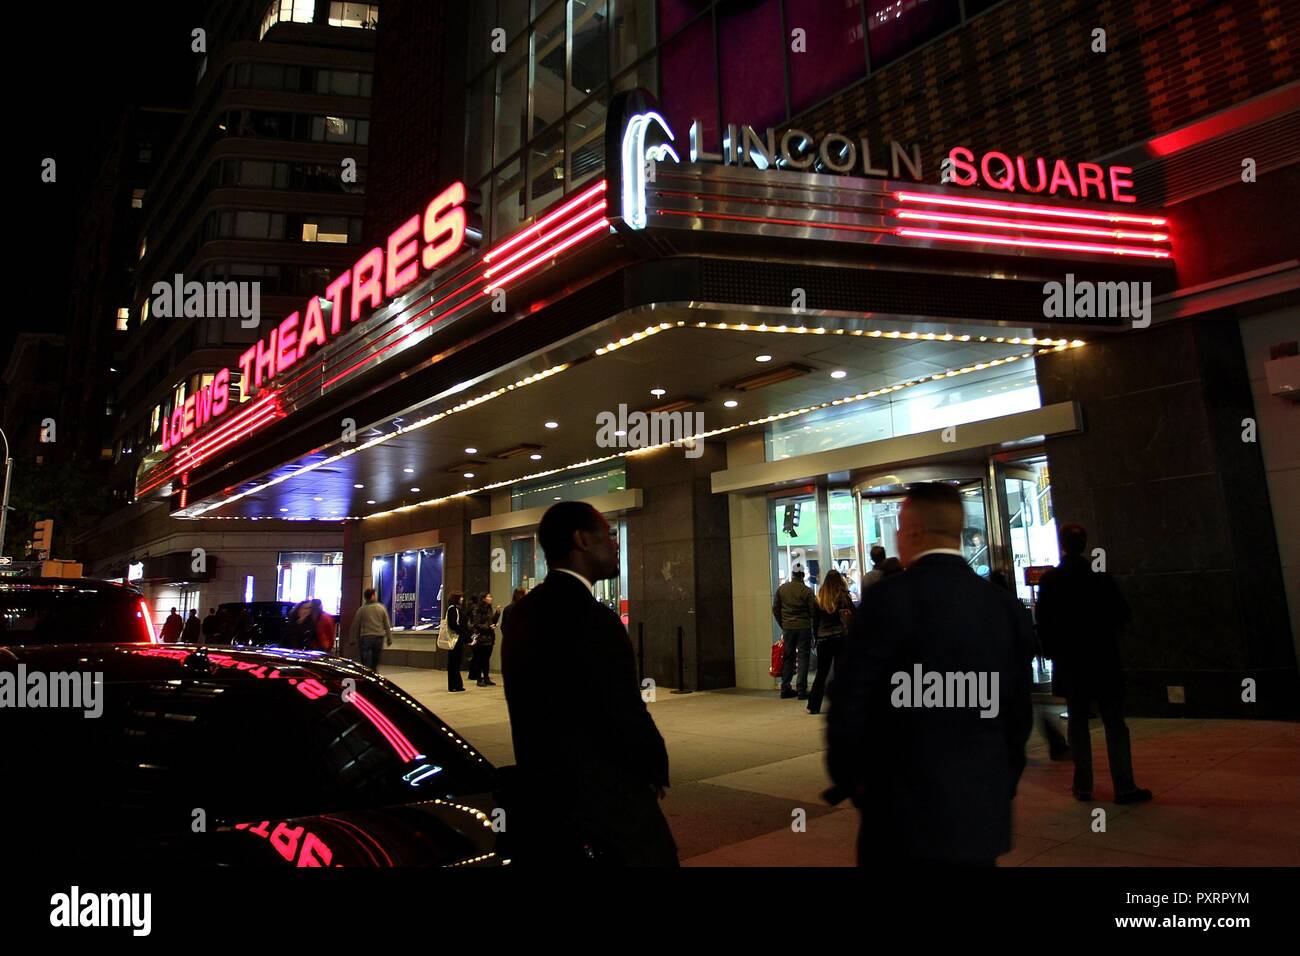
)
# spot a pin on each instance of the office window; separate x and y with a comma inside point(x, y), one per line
point(363, 16)
point(123, 321)
point(340, 129)
point(288, 11)
point(325, 229)
point(137, 198)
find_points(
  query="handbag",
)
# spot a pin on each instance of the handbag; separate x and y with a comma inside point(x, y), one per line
point(446, 639)
point(778, 658)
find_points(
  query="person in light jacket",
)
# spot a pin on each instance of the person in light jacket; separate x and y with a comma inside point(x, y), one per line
point(371, 629)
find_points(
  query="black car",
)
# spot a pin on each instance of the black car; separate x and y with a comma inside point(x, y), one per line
point(239, 757)
point(252, 623)
point(57, 610)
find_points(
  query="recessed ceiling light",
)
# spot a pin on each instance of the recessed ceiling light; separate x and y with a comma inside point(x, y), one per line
point(372, 502)
point(762, 358)
point(409, 471)
point(839, 373)
point(471, 451)
point(535, 457)
point(658, 392)
point(318, 498)
point(620, 433)
point(469, 474)
point(415, 489)
point(358, 485)
point(731, 403)
point(552, 424)
point(282, 510)
point(557, 497)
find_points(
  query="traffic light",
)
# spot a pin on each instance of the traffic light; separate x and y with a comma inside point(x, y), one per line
point(42, 535)
point(791, 525)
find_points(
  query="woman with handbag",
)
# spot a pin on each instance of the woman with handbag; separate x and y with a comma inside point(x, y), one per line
point(831, 616)
point(457, 628)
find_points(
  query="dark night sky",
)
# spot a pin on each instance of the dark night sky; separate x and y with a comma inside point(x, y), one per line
point(85, 64)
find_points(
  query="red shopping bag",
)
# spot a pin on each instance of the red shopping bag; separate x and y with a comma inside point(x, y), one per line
point(778, 655)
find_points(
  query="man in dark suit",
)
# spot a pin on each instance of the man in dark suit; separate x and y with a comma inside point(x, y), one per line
point(1080, 615)
point(592, 765)
point(933, 769)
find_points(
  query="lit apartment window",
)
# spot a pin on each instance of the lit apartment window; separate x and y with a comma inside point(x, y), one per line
point(328, 229)
point(137, 198)
point(287, 11)
point(363, 15)
point(123, 319)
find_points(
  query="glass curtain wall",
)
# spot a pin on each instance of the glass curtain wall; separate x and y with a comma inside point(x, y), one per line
point(410, 585)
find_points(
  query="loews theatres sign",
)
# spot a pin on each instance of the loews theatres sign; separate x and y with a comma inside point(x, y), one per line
point(417, 247)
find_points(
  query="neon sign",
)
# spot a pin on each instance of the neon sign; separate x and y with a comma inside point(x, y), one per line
point(419, 245)
point(995, 170)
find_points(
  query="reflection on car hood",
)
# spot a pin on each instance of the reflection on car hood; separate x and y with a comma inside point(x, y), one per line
point(429, 833)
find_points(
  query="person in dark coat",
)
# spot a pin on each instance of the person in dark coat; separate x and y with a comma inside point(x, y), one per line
point(1080, 615)
point(591, 763)
point(482, 621)
point(172, 627)
point(211, 624)
point(933, 774)
point(192, 633)
point(458, 625)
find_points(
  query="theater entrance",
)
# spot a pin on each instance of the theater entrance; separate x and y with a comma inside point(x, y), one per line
point(1009, 525)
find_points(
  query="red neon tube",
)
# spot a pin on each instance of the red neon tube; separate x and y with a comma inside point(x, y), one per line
point(961, 220)
point(550, 253)
point(1032, 243)
point(545, 221)
point(544, 239)
point(1030, 209)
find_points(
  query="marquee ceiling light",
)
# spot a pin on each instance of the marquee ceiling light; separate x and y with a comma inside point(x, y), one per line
point(358, 485)
point(1029, 209)
point(731, 403)
point(839, 373)
point(536, 377)
point(949, 236)
point(471, 451)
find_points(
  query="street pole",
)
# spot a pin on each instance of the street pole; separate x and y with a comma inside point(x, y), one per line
point(4, 505)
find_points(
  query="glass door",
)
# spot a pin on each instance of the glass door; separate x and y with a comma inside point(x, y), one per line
point(798, 547)
point(880, 499)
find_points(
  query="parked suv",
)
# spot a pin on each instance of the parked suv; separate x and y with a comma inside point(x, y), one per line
point(72, 610)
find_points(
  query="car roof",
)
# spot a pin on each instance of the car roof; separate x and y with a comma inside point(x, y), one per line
point(128, 662)
point(67, 584)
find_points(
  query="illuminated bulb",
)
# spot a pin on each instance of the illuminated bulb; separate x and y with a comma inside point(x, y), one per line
point(731, 403)
point(415, 490)
point(535, 457)
point(372, 502)
point(358, 485)
point(762, 358)
point(471, 451)
point(658, 392)
point(839, 373)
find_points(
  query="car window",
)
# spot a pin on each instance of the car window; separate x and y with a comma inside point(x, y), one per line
point(64, 616)
point(241, 748)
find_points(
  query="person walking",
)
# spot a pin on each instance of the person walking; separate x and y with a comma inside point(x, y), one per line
point(211, 624)
point(831, 616)
point(932, 778)
point(483, 619)
point(877, 572)
point(192, 632)
point(793, 609)
point(371, 630)
point(1080, 615)
point(458, 626)
point(593, 766)
point(1057, 746)
point(172, 627)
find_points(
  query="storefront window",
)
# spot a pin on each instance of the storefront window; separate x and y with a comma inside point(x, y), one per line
point(409, 585)
point(570, 487)
point(844, 538)
point(968, 398)
point(1031, 522)
point(305, 575)
point(797, 546)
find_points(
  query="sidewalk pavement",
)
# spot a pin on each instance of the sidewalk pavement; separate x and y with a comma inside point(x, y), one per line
point(743, 762)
